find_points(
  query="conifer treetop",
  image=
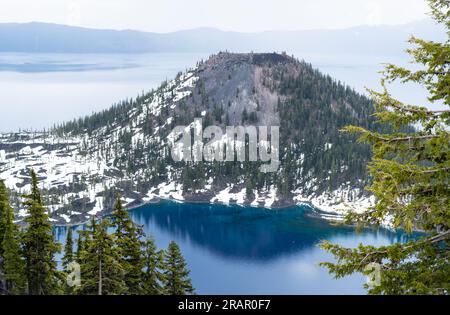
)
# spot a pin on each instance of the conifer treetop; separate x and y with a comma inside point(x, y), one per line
point(410, 177)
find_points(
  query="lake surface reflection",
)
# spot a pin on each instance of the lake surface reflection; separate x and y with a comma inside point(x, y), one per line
point(238, 250)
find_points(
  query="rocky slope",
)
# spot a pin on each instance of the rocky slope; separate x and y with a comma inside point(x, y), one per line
point(83, 163)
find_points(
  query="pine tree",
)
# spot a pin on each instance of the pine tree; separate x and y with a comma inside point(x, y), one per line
point(410, 178)
point(68, 257)
point(68, 250)
point(39, 246)
point(80, 247)
point(4, 205)
point(176, 274)
point(153, 278)
point(101, 272)
point(244, 115)
point(13, 264)
point(3, 216)
point(127, 238)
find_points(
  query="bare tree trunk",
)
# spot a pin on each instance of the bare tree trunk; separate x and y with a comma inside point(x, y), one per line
point(3, 286)
point(100, 280)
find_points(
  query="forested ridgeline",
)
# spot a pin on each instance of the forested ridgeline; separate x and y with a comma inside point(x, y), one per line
point(239, 89)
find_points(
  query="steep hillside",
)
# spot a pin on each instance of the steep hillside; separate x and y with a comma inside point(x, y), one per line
point(127, 147)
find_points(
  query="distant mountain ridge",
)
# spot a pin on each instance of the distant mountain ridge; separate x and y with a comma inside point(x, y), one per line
point(38, 37)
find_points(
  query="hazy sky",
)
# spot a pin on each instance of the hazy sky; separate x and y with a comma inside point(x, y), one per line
point(236, 15)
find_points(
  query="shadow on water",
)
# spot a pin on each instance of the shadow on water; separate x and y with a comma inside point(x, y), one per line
point(243, 233)
point(246, 233)
point(242, 250)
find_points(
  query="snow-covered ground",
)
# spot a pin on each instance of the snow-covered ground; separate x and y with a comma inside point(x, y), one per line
point(79, 170)
point(64, 167)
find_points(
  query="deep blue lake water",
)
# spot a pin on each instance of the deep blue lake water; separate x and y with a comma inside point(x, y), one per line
point(238, 250)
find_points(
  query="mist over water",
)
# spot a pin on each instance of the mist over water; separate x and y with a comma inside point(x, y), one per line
point(39, 90)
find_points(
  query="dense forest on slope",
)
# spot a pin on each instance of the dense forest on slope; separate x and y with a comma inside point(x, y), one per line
point(249, 89)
